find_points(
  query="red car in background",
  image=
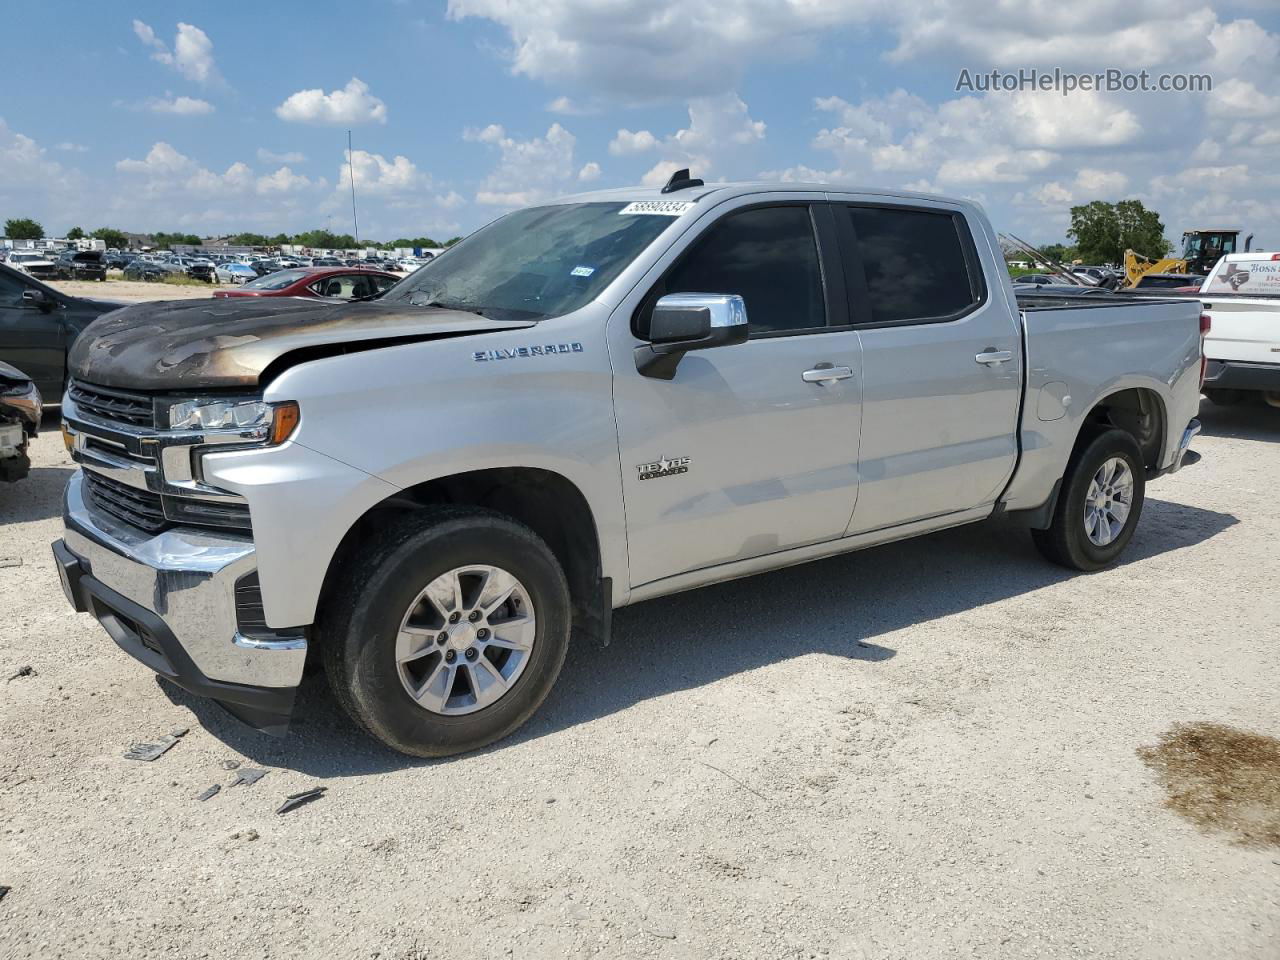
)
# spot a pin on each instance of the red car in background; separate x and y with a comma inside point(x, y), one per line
point(325, 283)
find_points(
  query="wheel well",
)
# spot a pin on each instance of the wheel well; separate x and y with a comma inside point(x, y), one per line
point(546, 502)
point(1137, 411)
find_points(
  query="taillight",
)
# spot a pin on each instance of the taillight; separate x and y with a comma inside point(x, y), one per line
point(1206, 324)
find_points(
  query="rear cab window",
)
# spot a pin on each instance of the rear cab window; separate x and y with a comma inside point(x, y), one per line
point(1246, 276)
point(908, 264)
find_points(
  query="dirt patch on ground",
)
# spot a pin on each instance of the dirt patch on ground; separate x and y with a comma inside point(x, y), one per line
point(1221, 779)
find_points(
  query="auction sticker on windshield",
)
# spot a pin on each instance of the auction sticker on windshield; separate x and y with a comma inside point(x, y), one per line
point(661, 208)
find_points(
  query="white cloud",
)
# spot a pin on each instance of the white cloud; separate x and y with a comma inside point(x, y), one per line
point(589, 172)
point(69, 147)
point(268, 156)
point(658, 48)
point(718, 126)
point(182, 106)
point(528, 171)
point(375, 174)
point(351, 105)
point(565, 106)
point(627, 142)
point(191, 56)
point(283, 180)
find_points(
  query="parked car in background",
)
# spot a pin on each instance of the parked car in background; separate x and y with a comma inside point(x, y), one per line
point(20, 410)
point(152, 270)
point(33, 264)
point(197, 268)
point(118, 261)
point(331, 283)
point(1043, 279)
point(1242, 298)
point(83, 265)
point(38, 324)
point(327, 262)
point(1169, 281)
point(235, 273)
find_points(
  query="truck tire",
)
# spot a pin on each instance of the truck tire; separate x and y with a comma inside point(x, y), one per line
point(447, 632)
point(1222, 397)
point(1100, 503)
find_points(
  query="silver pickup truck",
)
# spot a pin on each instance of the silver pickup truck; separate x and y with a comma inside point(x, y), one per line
point(585, 404)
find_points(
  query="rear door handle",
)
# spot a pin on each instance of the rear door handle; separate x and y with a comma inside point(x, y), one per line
point(992, 357)
point(826, 374)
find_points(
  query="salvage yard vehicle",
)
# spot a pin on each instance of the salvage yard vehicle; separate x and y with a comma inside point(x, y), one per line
point(1242, 295)
point(36, 265)
point(335, 283)
point(589, 403)
point(83, 265)
point(38, 325)
point(20, 410)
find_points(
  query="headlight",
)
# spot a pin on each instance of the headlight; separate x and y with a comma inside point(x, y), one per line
point(274, 422)
point(26, 399)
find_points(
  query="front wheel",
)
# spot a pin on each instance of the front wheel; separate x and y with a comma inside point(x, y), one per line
point(1099, 504)
point(448, 632)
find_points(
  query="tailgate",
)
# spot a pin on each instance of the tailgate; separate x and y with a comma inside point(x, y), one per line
point(1247, 331)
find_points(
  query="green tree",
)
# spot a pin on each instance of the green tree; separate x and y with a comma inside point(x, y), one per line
point(75, 233)
point(451, 241)
point(111, 237)
point(163, 239)
point(1103, 231)
point(23, 228)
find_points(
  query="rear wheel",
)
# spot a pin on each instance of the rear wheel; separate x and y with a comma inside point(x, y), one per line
point(447, 634)
point(1099, 504)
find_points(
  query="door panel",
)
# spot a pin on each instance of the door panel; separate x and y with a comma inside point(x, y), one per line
point(942, 365)
point(31, 339)
point(772, 458)
point(751, 448)
point(938, 427)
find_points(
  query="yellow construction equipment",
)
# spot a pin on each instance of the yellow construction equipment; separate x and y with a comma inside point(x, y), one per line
point(1201, 250)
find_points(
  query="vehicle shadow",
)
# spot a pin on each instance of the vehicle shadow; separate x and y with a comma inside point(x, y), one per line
point(838, 607)
point(1250, 419)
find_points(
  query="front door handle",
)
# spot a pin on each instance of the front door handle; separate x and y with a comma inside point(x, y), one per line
point(826, 374)
point(992, 357)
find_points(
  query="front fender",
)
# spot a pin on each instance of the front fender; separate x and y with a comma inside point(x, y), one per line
point(418, 412)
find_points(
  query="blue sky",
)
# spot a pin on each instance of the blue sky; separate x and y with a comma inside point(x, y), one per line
point(217, 118)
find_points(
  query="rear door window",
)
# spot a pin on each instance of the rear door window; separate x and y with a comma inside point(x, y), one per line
point(915, 265)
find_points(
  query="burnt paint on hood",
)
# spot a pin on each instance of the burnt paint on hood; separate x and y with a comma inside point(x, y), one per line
point(184, 344)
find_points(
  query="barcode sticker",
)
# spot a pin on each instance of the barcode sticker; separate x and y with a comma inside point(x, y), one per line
point(661, 208)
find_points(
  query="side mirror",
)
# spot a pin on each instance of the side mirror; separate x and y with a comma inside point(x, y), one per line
point(690, 321)
point(37, 298)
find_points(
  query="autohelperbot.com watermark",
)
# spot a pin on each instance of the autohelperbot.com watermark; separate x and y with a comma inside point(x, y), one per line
point(1067, 83)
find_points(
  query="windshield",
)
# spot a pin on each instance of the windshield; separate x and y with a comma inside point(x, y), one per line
point(276, 281)
point(533, 264)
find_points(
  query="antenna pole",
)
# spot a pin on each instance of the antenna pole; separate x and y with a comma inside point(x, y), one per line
point(351, 172)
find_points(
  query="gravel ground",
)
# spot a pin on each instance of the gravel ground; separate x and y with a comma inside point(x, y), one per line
point(114, 288)
point(924, 750)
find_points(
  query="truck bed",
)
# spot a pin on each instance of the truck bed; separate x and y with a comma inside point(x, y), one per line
point(1045, 300)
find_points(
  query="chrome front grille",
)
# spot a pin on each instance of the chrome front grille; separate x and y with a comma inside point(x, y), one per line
point(120, 406)
point(138, 508)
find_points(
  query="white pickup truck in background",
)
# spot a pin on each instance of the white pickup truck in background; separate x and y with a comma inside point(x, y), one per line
point(1242, 299)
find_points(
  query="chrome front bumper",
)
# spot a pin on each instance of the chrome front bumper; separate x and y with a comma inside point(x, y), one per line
point(170, 600)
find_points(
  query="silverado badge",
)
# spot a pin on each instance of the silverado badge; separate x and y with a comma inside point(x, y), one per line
point(666, 467)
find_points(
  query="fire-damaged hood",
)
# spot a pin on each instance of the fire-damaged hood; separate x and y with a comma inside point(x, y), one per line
point(208, 344)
